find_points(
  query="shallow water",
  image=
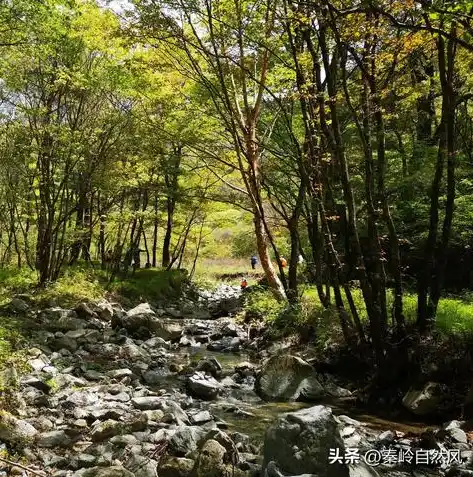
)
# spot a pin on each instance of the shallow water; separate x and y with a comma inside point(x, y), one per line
point(254, 418)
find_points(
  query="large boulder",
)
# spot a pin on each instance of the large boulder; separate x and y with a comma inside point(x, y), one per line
point(176, 467)
point(288, 378)
point(134, 319)
point(167, 329)
point(104, 309)
point(57, 438)
point(210, 461)
point(106, 430)
point(224, 301)
point(425, 400)
point(210, 366)
point(185, 440)
point(59, 319)
point(300, 442)
point(203, 386)
point(143, 318)
point(15, 431)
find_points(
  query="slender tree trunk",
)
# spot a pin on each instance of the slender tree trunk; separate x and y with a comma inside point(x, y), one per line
point(170, 206)
point(155, 231)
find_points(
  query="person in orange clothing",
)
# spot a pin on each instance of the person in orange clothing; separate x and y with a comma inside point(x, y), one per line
point(243, 284)
point(283, 262)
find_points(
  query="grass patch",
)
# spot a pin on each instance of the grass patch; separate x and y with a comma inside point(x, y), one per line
point(210, 272)
point(84, 283)
point(454, 315)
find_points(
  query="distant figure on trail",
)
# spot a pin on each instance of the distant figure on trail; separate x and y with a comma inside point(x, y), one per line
point(243, 284)
point(283, 262)
point(254, 261)
point(301, 259)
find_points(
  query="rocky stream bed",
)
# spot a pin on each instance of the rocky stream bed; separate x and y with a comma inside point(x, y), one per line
point(179, 391)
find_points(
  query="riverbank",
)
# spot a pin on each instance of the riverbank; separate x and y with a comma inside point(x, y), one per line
point(184, 391)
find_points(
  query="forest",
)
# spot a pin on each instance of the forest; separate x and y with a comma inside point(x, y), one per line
point(339, 132)
point(158, 136)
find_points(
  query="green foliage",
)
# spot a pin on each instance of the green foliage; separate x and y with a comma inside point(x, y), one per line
point(243, 243)
point(262, 305)
point(13, 359)
point(52, 383)
point(150, 285)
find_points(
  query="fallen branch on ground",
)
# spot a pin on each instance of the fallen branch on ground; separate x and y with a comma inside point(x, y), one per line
point(15, 464)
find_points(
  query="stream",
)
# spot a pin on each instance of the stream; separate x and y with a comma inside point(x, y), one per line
point(108, 388)
point(252, 418)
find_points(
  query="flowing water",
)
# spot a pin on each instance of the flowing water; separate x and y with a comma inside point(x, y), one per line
point(252, 416)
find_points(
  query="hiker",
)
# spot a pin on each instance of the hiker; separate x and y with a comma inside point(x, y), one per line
point(243, 284)
point(254, 261)
point(283, 262)
point(301, 259)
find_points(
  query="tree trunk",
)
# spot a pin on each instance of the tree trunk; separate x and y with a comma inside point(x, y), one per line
point(155, 231)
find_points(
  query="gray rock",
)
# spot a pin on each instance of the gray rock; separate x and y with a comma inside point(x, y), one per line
point(147, 402)
point(106, 430)
point(245, 369)
point(104, 309)
point(142, 318)
point(64, 380)
point(458, 435)
point(59, 319)
point(203, 386)
point(19, 305)
point(124, 440)
point(120, 373)
point(86, 460)
point(84, 310)
point(299, 443)
point(425, 400)
point(176, 467)
point(120, 397)
point(38, 364)
point(57, 438)
point(168, 330)
point(80, 399)
point(36, 383)
point(155, 376)
point(141, 309)
point(64, 342)
point(157, 342)
point(76, 334)
point(93, 375)
point(176, 411)
point(288, 378)
point(231, 329)
point(386, 436)
point(210, 461)
point(200, 417)
point(155, 415)
point(131, 351)
point(142, 466)
point(226, 344)
point(15, 431)
point(211, 366)
point(185, 440)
